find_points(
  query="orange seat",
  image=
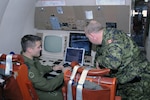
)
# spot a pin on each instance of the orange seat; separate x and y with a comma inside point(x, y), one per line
point(19, 79)
point(117, 97)
point(109, 85)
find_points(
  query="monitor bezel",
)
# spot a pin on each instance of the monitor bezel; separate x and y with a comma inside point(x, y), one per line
point(65, 39)
point(82, 61)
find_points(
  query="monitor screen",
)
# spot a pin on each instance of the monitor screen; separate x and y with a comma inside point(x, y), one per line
point(79, 40)
point(74, 54)
point(53, 43)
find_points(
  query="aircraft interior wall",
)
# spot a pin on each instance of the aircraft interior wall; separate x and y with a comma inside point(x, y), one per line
point(16, 19)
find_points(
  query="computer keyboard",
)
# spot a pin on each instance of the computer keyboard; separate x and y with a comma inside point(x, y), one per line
point(56, 62)
point(58, 71)
point(50, 61)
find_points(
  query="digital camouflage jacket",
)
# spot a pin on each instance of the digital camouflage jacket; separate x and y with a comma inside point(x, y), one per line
point(128, 64)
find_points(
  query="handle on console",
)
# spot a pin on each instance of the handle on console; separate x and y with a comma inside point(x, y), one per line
point(15, 58)
point(92, 72)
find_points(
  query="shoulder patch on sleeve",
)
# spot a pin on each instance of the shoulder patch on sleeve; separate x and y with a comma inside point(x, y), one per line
point(31, 74)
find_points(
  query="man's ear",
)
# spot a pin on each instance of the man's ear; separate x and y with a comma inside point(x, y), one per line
point(92, 35)
point(29, 49)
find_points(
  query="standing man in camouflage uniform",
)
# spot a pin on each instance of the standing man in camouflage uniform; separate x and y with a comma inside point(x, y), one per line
point(116, 50)
point(46, 89)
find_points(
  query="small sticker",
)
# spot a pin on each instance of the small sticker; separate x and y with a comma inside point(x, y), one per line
point(31, 74)
point(1, 80)
point(109, 41)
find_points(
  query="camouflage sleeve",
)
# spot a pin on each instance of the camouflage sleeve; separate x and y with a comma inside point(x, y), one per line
point(111, 57)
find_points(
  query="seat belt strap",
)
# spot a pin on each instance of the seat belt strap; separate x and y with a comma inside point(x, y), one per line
point(8, 64)
point(69, 93)
point(80, 84)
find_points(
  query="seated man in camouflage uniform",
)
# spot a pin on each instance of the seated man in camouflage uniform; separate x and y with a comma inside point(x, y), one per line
point(116, 50)
point(46, 89)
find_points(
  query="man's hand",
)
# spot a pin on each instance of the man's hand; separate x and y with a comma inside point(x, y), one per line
point(58, 67)
point(66, 68)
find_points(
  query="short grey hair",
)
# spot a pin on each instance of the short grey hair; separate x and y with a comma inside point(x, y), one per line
point(29, 41)
point(93, 26)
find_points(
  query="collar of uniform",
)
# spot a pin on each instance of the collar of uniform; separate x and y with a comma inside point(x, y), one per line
point(107, 35)
point(104, 36)
point(30, 61)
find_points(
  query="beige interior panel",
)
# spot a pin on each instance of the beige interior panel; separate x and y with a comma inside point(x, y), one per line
point(75, 17)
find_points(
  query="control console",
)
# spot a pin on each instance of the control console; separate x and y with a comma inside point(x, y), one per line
point(87, 61)
point(50, 61)
point(54, 61)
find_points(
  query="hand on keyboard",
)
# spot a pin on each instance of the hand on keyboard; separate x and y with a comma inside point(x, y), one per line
point(66, 68)
point(66, 65)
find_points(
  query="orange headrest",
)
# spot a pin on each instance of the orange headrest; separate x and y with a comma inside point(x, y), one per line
point(92, 71)
point(15, 58)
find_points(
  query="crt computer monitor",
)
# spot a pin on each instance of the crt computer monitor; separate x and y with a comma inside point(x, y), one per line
point(79, 40)
point(54, 44)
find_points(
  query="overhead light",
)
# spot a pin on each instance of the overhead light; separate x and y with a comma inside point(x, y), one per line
point(146, 0)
